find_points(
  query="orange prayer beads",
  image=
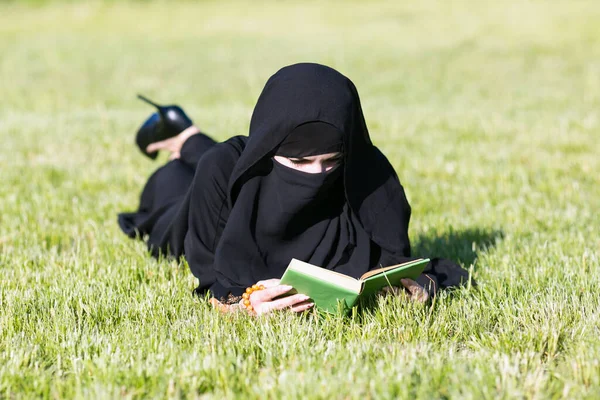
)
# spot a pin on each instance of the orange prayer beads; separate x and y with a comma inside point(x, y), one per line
point(246, 296)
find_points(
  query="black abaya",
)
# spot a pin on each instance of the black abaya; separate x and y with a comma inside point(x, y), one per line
point(238, 217)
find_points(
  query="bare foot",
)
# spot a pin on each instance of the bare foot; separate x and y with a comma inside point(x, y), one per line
point(174, 144)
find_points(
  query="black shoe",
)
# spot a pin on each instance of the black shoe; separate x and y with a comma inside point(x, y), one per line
point(169, 121)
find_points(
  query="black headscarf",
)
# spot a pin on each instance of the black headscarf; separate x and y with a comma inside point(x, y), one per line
point(311, 139)
point(349, 219)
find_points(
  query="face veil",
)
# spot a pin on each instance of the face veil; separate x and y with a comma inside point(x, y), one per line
point(344, 219)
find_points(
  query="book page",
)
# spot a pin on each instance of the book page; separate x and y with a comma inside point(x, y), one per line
point(323, 274)
point(377, 271)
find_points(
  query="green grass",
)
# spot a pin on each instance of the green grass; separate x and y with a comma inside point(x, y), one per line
point(489, 111)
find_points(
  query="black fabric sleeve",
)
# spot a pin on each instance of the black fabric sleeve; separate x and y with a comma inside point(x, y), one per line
point(442, 273)
point(208, 211)
point(390, 230)
point(194, 149)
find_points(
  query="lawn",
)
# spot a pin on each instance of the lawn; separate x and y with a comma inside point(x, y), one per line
point(489, 111)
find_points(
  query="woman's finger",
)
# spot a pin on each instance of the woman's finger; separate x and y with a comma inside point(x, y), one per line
point(417, 292)
point(287, 302)
point(269, 294)
point(267, 283)
point(300, 307)
point(390, 290)
point(410, 285)
point(280, 304)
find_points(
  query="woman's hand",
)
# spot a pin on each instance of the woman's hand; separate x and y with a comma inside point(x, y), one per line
point(269, 283)
point(263, 301)
point(417, 292)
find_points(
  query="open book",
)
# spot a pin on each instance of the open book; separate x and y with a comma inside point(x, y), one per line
point(326, 288)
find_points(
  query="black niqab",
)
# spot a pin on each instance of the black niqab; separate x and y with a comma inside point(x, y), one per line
point(328, 219)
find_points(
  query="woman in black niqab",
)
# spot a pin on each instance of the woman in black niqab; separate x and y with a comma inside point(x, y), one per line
point(239, 215)
point(286, 213)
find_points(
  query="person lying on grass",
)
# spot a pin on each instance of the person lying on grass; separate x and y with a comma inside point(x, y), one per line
point(306, 183)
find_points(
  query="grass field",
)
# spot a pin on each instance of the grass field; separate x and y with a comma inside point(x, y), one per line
point(489, 111)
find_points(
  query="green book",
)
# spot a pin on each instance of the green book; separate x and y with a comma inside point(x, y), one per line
point(327, 289)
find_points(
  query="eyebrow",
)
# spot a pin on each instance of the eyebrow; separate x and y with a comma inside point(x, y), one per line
point(335, 157)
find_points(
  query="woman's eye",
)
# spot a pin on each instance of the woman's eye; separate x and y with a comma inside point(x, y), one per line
point(299, 162)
